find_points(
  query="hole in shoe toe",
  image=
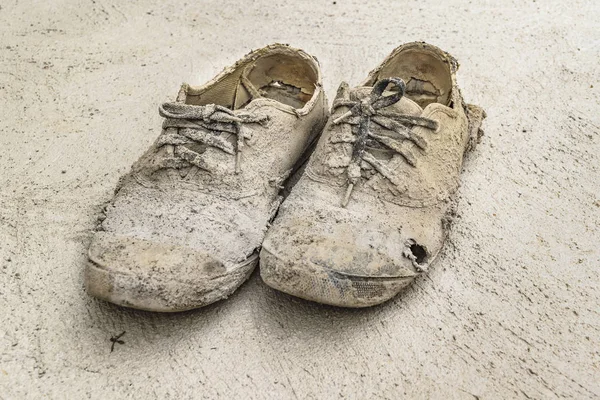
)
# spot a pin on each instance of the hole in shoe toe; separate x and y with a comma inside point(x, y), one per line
point(416, 253)
point(419, 252)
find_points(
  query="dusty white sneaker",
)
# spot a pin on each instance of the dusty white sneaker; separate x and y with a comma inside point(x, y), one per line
point(372, 209)
point(184, 227)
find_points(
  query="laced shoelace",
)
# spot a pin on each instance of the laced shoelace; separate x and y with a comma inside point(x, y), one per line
point(203, 125)
point(372, 109)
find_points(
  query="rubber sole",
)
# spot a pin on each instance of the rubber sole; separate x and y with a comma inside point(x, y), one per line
point(315, 283)
point(151, 294)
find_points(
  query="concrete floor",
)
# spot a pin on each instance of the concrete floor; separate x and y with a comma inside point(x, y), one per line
point(510, 311)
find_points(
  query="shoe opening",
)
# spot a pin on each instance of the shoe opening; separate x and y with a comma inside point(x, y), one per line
point(426, 72)
point(279, 73)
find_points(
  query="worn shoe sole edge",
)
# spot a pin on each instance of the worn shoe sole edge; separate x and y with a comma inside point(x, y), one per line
point(152, 294)
point(316, 283)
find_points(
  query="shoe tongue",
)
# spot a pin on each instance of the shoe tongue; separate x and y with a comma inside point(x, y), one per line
point(403, 106)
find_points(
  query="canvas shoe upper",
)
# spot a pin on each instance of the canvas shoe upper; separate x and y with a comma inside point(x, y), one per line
point(372, 210)
point(184, 227)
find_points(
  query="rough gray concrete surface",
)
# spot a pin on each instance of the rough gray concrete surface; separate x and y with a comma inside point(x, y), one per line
point(510, 311)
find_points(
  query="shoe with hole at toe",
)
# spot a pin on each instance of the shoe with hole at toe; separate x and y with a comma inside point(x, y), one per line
point(186, 223)
point(372, 209)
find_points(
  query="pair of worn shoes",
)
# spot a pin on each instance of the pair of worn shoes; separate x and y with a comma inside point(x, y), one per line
point(369, 190)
